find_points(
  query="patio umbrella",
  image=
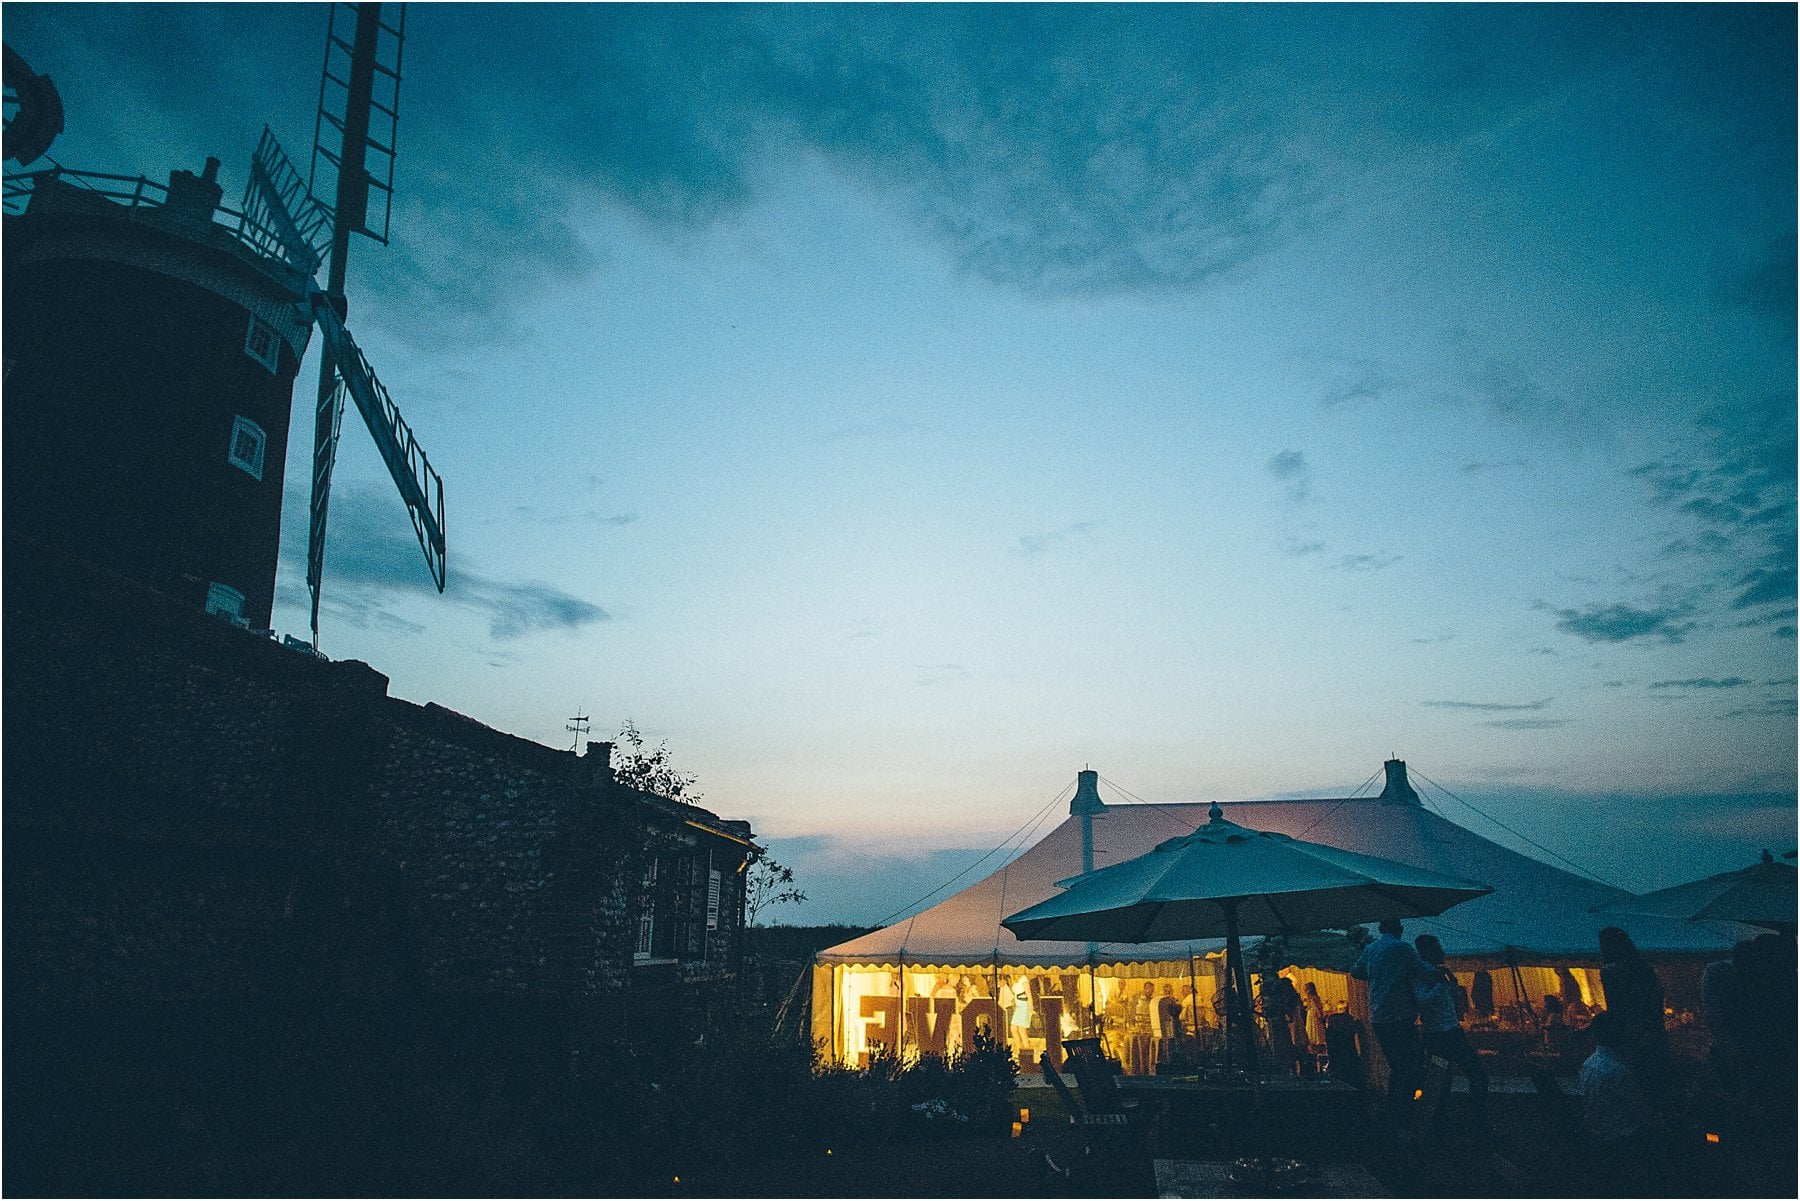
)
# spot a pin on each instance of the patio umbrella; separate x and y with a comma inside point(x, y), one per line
point(1762, 894)
point(1226, 879)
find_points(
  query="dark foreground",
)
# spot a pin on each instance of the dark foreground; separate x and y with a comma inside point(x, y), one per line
point(741, 1114)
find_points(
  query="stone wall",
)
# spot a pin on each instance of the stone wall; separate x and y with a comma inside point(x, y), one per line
point(195, 810)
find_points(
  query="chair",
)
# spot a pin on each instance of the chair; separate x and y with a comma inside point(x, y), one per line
point(1100, 1095)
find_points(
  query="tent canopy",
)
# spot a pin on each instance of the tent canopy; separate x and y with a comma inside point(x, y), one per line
point(1537, 913)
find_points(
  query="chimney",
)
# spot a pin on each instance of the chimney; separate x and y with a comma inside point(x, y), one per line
point(192, 198)
point(1397, 789)
point(1087, 797)
point(596, 765)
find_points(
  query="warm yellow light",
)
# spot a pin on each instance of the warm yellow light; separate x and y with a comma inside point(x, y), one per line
point(1711, 1137)
point(1018, 1128)
point(1025, 1114)
point(1417, 1093)
point(828, 1150)
point(677, 1180)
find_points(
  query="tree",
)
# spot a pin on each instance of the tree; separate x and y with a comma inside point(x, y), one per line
point(769, 883)
point(651, 771)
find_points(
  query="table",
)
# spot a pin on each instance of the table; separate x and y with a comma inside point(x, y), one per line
point(1212, 1178)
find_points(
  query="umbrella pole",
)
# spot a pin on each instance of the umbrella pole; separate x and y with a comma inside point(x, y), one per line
point(1238, 1006)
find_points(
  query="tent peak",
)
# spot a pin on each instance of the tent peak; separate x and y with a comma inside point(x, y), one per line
point(1087, 793)
point(1397, 789)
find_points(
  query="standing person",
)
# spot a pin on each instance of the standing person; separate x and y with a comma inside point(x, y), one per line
point(1279, 1000)
point(1617, 1118)
point(1436, 994)
point(1634, 996)
point(1392, 968)
point(1315, 1017)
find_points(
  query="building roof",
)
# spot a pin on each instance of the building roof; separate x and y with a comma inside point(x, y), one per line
point(1542, 913)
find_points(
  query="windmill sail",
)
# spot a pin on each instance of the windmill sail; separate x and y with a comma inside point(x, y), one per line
point(283, 211)
point(359, 111)
point(420, 485)
point(326, 425)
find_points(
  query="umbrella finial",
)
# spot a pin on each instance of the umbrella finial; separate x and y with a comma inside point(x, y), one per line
point(1215, 813)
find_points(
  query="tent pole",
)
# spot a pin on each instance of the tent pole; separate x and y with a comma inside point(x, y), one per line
point(999, 1018)
point(1193, 1000)
point(900, 1035)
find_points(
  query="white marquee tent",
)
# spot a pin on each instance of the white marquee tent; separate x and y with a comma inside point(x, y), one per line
point(905, 984)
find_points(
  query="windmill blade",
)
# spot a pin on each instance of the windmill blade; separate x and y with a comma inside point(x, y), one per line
point(284, 212)
point(327, 422)
point(355, 130)
point(420, 485)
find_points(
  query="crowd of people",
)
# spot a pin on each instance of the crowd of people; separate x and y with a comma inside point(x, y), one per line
point(1631, 1099)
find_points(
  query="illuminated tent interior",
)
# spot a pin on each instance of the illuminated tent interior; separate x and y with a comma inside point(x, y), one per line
point(927, 984)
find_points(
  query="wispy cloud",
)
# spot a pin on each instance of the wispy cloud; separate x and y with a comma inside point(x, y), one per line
point(1705, 682)
point(1355, 381)
point(1528, 723)
point(1292, 469)
point(1479, 466)
point(1773, 707)
point(1379, 562)
point(538, 516)
point(1488, 706)
point(1032, 545)
point(370, 564)
point(1761, 280)
point(1735, 483)
point(1299, 548)
point(1623, 623)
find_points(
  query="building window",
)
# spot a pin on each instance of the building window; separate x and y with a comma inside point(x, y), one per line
point(646, 931)
point(263, 344)
point(222, 600)
point(247, 442)
point(712, 899)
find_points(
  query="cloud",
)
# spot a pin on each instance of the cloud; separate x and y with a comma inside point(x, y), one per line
point(1487, 706)
point(1735, 484)
point(535, 514)
point(1299, 550)
point(1290, 467)
point(1477, 467)
point(1774, 707)
point(1761, 281)
point(370, 564)
point(1354, 381)
point(1032, 545)
point(1623, 623)
point(1527, 723)
point(1366, 562)
point(1703, 682)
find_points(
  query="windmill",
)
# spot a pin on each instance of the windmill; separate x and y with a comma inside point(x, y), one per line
point(357, 116)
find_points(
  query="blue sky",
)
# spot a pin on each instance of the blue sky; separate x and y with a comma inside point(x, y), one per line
point(898, 408)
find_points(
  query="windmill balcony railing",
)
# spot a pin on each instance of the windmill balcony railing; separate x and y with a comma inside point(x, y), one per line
point(136, 194)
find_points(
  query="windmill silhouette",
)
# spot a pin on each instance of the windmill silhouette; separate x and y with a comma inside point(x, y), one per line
point(358, 88)
point(153, 338)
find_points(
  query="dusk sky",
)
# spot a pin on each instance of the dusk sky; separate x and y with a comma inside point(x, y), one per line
point(899, 408)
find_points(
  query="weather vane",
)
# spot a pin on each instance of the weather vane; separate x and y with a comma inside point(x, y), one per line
point(579, 725)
